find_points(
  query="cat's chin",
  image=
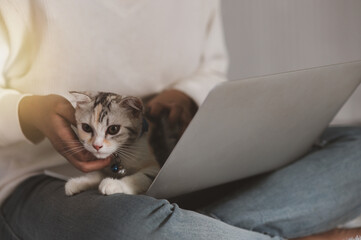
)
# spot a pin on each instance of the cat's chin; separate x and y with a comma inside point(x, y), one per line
point(101, 155)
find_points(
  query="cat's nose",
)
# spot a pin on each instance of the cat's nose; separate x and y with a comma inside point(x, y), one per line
point(97, 147)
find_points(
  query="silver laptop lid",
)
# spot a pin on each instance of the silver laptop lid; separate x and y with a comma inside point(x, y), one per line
point(251, 126)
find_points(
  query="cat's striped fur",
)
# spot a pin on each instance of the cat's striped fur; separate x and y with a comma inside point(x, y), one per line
point(110, 124)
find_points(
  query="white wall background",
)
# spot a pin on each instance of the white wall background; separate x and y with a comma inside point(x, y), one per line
point(272, 36)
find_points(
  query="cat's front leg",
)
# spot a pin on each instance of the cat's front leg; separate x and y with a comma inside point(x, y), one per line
point(133, 184)
point(79, 184)
point(128, 185)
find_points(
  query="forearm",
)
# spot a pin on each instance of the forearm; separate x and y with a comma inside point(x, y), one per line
point(10, 130)
point(26, 118)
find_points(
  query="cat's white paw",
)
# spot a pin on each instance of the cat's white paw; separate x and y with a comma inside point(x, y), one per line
point(72, 187)
point(79, 184)
point(111, 186)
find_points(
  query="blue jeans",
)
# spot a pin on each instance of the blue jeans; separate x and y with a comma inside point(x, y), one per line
point(314, 194)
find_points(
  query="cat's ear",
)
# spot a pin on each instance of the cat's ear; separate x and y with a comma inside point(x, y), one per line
point(81, 97)
point(133, 104)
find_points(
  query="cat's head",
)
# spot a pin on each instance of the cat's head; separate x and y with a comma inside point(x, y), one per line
point(107, 121)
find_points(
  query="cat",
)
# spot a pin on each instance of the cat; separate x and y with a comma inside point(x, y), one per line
point(111, 124)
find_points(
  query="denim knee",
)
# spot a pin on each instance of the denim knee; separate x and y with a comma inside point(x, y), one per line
point(39, 209)
point(123, 216)
point(316, 193)
point(338, 189)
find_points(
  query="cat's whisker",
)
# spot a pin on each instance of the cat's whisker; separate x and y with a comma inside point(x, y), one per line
point(140, 152)
point(127, 144)
point(75, 141)
point(135, 152)
point(125, 157)
point(131, 147)
point(73, 148)
point(135, 148)
point(127, 154)
point(131, 151)
point(73, 153)
point(66, 148)
point(78, 149)
point(128, 150)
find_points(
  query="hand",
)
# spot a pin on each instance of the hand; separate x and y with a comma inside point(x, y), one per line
point(51, 116)
point(178, 108)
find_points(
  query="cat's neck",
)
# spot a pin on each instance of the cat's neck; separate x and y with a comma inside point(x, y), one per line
point(136, 156)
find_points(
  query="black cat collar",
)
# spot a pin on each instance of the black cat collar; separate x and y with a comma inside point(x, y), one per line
point(145, 127)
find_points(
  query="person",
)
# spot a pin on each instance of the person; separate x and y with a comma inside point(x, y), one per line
point(173, 51)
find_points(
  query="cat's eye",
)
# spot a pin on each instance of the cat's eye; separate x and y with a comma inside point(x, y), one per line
point(113, 129)
point(86, 128)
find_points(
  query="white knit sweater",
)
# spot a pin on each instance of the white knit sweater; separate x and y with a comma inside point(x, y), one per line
point(137, 47)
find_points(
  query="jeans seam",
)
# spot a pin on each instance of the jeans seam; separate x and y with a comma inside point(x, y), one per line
point(8, 227)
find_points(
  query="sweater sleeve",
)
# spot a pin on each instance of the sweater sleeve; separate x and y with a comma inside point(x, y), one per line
point(10, 130)
point(213, 62)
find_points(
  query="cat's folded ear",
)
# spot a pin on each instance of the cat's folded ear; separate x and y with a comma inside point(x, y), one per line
point(133, 104)
point(81, 97)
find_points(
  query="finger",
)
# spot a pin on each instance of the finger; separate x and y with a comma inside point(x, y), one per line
point(185, 120)
point(92, 165)
point(77, 153)
point(82, 159)
point(66, 110)
point(69, 146)
point(67, 143)
point(157, 109)
point(73, 151)
point(175, 114)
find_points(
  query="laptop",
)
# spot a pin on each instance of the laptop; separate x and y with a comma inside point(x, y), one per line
point(252, 126)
